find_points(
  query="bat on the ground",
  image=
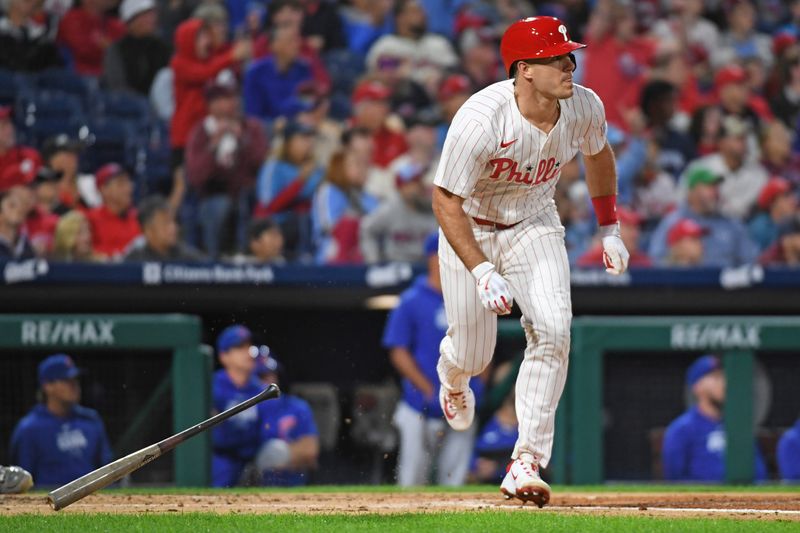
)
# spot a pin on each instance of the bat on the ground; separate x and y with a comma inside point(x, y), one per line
point(105, 475)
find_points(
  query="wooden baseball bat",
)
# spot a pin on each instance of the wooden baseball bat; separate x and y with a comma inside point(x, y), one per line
point(105, 475)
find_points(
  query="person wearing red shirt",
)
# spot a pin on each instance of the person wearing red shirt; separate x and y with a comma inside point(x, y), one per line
point(616, 60)
point(114, 224)
point(14, 159)
point(629, 223)
point(87, 31)
point(194, 65)
point(371, 111)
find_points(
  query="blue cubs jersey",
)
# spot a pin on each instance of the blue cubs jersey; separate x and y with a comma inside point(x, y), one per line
point(234, 441)
point(58, 450)
point(418, 324)
point(789, 454)
point(694, 449)
point(288, 418)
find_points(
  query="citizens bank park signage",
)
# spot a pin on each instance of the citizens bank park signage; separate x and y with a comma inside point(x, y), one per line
point(77, 332)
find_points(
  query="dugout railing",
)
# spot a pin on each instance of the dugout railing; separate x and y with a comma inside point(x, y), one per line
point(578, 448)
point(181, 334)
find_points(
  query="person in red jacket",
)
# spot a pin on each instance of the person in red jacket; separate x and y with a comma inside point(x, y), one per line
point(87, 31)
point(114, 224)
point(371, 111)
point(194, 65)
point(14, 158)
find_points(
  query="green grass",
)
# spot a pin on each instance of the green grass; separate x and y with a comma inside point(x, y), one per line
point(611, 487)
point(486, 521)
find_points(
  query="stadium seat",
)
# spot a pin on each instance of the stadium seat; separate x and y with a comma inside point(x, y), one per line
point(67, 81)
point(110, 142)
point(12, 86)
point(122, 106)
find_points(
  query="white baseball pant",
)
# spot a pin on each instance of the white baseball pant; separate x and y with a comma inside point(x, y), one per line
point(532, 257)
point(423, 440)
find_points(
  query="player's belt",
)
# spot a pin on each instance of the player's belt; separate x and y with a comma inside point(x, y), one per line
point(496, 225)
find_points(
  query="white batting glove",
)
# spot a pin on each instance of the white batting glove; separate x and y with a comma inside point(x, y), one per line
point(493, 289)
point(615, 255)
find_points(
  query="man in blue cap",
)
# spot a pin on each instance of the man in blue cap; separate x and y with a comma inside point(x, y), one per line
point(289, 440)
point(58, 440)
point(412, 335)
point(694, 443)
point(234, 441)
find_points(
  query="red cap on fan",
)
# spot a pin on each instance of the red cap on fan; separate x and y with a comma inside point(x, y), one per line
point(536, 37)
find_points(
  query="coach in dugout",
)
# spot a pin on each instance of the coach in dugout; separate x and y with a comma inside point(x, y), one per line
point(234, 441)
point(695, 443)
point(58, 440)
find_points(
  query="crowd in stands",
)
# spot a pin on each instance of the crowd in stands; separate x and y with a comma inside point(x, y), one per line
point(309, 131)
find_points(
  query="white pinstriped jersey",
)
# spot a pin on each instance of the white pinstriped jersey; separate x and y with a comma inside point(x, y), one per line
point(504, 166)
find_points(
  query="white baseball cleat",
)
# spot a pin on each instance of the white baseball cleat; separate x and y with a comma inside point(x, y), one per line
point(523, 481)
point(458, 408)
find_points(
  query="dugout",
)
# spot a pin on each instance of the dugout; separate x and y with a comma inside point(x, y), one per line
point(163, 351)
point(578, 456)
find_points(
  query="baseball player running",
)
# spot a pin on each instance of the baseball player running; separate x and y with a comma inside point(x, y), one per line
point(503, 240)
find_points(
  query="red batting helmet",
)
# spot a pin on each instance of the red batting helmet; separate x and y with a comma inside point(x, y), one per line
point(535, 37)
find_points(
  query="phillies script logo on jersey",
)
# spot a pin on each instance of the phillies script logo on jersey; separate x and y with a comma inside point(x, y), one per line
point(506, 169)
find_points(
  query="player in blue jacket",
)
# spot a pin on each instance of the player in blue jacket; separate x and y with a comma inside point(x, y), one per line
point(789, 454)
point(694, 443)
point(412, 335)
point(289, 437)
point(58, 440)
point(234, 441)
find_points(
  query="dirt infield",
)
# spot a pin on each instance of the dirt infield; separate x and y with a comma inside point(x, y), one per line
point(781, 506)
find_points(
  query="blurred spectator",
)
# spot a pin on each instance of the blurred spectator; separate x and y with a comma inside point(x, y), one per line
point(742, 39)
point(777, 202)
point(133, 62)
point(59, 440)
point(13, 243)
point(777, 156)
point(695, 443)
point(789, 454)
point(172, 14)
point(271, 84)
point(685, 23)
point(156, 217)
point(412, 335)
point(685, 241)
point(631, 152)
point(480, 58)
point(339, 205)
point(735, 97)
point(114, 225)
point(61, 153)
point(25, 44)
point(288, 15)
point(364, 22)
point(629, 223)
point(289, 439)
point(13, 157)
point(86, 31)
point(397, 229)
point(727, 242)
point(162, 94)
point(265, 244)
point(73, 239)
point(676, 149)
point(421, 55)
point(286, 186)
point(371, 111)
point(616, 59)
point(215, 18)
point(422, 149)
point(234, 442)
point(786, 250)
point(655, 192)
point(786, 103)
point(322, 25)
point(194, 65)
point(705, 129)
point(453, 92)
point(223, 154)
point(574, 207)
point(41, 220)
point(742, 176)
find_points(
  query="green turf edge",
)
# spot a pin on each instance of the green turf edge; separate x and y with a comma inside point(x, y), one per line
point(610, 487)
point(461, 522)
